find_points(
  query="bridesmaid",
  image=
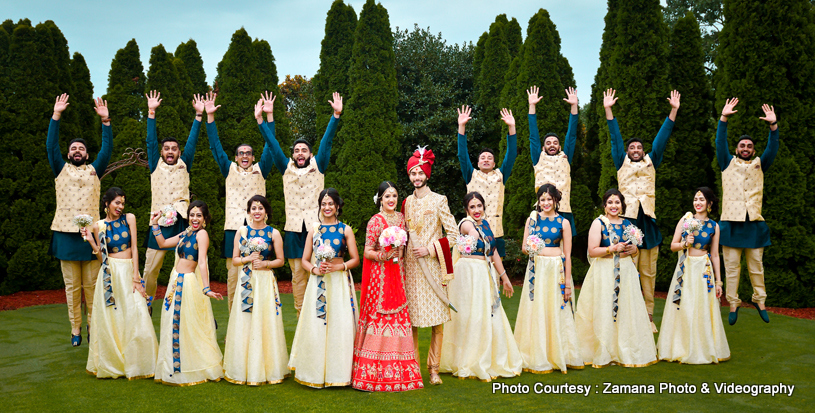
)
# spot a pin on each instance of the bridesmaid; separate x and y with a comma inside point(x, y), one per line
point(124, 342)
point(188, 352)
point(612, 323)
point(323, 349)
point(479, 342)
point(255, 352)
point(545, 329)
point(692, 331)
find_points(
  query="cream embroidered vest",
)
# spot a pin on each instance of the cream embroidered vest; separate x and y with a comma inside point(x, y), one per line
point(170, 185)
point(555, 170)
point(240, 186)
point(637, 181)
point(78, 192)
point(491, 187)
point(301, 189)
point(743, 188)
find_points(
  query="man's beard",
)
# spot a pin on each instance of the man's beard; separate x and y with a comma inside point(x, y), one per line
point(423, 184)
point(78, 162)
point(750, 156)
point(175, 160)
point(305, 164)
point(552, 151)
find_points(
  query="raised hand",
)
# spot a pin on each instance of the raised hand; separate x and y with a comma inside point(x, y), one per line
point(101, 109)
point(60, 105)
point(198, 104)
point(769, 113)
point(268, 101)
point(608, 98)
point(674, 99)
point(259, 111)
point(153, 100)
point(506, 116)
point(729, 104)
point(464, 115)
point(336, 104)
point(209, 105)
point(571, 96)
point(532, 95)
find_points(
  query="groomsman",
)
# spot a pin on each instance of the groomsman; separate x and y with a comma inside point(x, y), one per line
point(303, 179)
point(78, 191)
point(636, 177)
point(488, 180)
point(244, 179)
point(169, 184)
point(742, 227)
point(553, 165)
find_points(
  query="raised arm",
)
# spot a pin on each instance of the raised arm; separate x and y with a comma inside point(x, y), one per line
point(267, 130)
point(617, 150)
point(571, 133)
point(192, 140)
point(52, 141)
point(212, 133)
point(103, 157)
point(661, 140)
point(771, 150)
point(463, 155)
point(324, 153)
point(512, 144)
point(153, 151)
point(532, 118)
point(723, 155)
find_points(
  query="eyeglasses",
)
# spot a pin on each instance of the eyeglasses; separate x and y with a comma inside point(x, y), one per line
point(245, 153)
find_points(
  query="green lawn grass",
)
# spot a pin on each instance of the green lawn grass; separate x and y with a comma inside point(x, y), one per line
point(39, 371)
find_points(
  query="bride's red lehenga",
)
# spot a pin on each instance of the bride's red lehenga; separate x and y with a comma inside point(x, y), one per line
point(384, 359)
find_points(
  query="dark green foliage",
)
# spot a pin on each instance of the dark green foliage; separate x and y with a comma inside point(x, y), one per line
point(709, 14)
point(537, 64)
point(370, 120)
point(301, 107)
point(513, 37)
point(82, 98)
point(335, 61)
point(434, 79)
point(765, 56)
point(126, 83)
point(494, 66)
point(189, 54)
point(686, 163)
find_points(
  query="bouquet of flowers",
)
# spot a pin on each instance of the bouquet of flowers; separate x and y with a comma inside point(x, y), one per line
point(633, 235)
point(466, 244)
point(83, 221)
point(324, 252)
point(256, 244)
point(533, 244)
point(392, 237)
point(691, 224)
point(168, 216)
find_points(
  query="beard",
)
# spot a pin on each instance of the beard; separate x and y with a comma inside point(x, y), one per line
point(421, 185)
point(744, 158)
point(175, 160)
point(78, 162)
point(305, 164)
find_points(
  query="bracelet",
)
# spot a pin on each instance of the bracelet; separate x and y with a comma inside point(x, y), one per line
point(206, 290)
point(344, 267)
point(105, 120)
point(503, 273)
point(198, 115)
point(608, 250)
point(719, 283)
point(152, 112)
point(774, 123)
point(95, 252)
point(312, 270)
point(338, 113)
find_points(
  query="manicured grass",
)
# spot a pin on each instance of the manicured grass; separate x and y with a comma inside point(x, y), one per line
point(39, 371)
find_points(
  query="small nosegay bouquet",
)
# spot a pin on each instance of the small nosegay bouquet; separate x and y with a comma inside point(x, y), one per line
point(256, 244)
point(633, 235)
point(168, 216)
point(83, 221)
point(466, 244)
point(323, 252)
point(691, 225)
point(533, 244)
point(392, 237)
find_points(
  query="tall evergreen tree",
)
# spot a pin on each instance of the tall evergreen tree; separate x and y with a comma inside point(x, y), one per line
point(82, 102)
point(335, 62)
point(494, 66)
point(765, 57)
point(513, 37)
point(126, 85)
point(370, 117)
point(188, 52)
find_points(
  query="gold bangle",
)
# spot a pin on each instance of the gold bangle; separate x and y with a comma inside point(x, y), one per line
point(95, 252)
point(719, 283)
point(344, 267)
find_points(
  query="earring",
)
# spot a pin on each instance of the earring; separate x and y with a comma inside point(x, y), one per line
point(106, 210)
point(708, 208)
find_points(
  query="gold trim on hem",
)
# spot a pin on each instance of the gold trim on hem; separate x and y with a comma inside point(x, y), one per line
point(146, 376)
point(538, 371)
point(569, 366)
point(186, 384)
point(614, 363)
point(253, 383)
